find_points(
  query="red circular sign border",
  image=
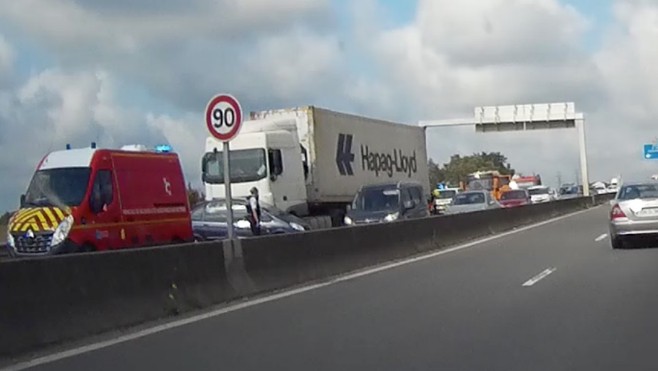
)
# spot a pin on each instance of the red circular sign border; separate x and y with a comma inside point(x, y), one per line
point(231, 101)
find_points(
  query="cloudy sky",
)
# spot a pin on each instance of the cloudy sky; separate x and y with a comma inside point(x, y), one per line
point(122, 71)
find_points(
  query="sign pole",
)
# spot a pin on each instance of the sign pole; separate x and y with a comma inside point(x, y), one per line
point(227, 188)
point(223, 118)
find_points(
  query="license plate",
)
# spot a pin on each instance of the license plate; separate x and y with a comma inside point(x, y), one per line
point(649, 212)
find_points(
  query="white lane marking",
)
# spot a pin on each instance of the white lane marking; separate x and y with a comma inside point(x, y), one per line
point(539, 277)
point(284, 294)
point(601, 237)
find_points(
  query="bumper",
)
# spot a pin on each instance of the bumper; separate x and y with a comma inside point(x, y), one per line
point(63, 248)
point(634, 228)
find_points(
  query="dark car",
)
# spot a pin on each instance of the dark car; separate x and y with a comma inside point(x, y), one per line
point(273, 210)
point(515, 198)
point(209, 222)
point(387, 203)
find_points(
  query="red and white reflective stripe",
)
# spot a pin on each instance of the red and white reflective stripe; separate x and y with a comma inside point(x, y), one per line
point(155, 210)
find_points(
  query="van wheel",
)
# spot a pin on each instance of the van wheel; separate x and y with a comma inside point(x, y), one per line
point(87, 248)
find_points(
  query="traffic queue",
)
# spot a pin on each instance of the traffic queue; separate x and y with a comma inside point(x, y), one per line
point(290, 171)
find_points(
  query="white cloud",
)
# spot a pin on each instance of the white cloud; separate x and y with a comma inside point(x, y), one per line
point(55, 108)
point(187, 136)
point(271, 54)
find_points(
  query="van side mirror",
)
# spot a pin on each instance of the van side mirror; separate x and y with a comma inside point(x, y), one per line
point(22, 201)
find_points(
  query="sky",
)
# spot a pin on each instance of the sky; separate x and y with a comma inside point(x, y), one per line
point(124, 72)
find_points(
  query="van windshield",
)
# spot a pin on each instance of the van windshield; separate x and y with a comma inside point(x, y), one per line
point(58, 187)
point(377, 199)
point(247, 165)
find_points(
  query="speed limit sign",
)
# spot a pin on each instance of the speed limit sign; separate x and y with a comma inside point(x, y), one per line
point(224, 117)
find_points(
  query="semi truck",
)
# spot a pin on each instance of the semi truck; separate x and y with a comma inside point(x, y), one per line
point(311, 161)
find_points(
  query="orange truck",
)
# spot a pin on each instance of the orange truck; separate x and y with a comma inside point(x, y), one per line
point(491, 180)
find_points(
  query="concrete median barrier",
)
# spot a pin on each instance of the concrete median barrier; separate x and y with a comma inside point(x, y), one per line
point(53, 300)
point(282, 261)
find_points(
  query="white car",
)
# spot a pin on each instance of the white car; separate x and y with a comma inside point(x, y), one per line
point(539, 194)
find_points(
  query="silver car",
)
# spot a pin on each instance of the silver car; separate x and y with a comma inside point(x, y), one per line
point(470, 201)
point(634, 213)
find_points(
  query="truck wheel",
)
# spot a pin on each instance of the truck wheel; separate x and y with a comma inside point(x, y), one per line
point(337, 218)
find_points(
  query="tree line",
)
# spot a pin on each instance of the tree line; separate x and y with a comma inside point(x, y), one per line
point(459, 167)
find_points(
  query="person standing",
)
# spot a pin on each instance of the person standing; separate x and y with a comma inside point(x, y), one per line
point(253, 209)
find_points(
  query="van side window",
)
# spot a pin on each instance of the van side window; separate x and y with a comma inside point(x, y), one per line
point(102, 193)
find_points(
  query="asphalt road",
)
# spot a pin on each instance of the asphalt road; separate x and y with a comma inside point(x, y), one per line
point(466, 310)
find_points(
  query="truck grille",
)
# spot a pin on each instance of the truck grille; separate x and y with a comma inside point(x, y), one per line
point(39, 244)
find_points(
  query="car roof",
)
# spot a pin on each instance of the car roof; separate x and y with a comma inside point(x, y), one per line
point(640, 182)
point(474, 191)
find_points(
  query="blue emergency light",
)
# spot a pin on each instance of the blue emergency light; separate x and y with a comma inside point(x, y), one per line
point(440, 186)
point(163, 148)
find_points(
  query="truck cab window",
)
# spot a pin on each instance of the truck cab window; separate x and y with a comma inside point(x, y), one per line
point(102, 191)
point(275, 160)
point(304, 161)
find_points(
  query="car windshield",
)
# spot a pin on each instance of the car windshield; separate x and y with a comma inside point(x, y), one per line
point(247, 165)
point(538, 191)
point(58, 187)
point(639, 191)
point(447, 194)
point(513, 195)
point(469, 198)
point(377, 199)
point(483, 183)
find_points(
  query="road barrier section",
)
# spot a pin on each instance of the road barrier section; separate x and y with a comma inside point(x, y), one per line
point(53, 300)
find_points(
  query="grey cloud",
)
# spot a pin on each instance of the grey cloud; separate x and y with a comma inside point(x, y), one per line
point(501, 32)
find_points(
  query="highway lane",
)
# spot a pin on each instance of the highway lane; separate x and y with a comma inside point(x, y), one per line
point(467, 310)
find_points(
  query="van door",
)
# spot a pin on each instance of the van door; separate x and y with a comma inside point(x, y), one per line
point(104, 212)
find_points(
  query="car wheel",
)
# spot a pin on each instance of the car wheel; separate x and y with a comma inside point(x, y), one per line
point(617, 243)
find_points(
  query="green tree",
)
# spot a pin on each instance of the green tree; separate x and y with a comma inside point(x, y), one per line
point(459, 167)
point(194, 196)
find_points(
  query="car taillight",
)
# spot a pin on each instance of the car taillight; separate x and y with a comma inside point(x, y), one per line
point(617, 213)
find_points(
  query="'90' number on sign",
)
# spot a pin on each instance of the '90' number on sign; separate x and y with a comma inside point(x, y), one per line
point(223, 116)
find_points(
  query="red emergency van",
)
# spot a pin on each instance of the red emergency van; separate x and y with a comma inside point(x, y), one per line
point(92, 199)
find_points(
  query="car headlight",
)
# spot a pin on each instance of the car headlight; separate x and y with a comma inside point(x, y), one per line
point(391, 217)
point(62, 231)
point(347, 220)
point(296, 226)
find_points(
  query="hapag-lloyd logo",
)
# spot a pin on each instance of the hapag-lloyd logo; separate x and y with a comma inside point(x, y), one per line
point(387, 163)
